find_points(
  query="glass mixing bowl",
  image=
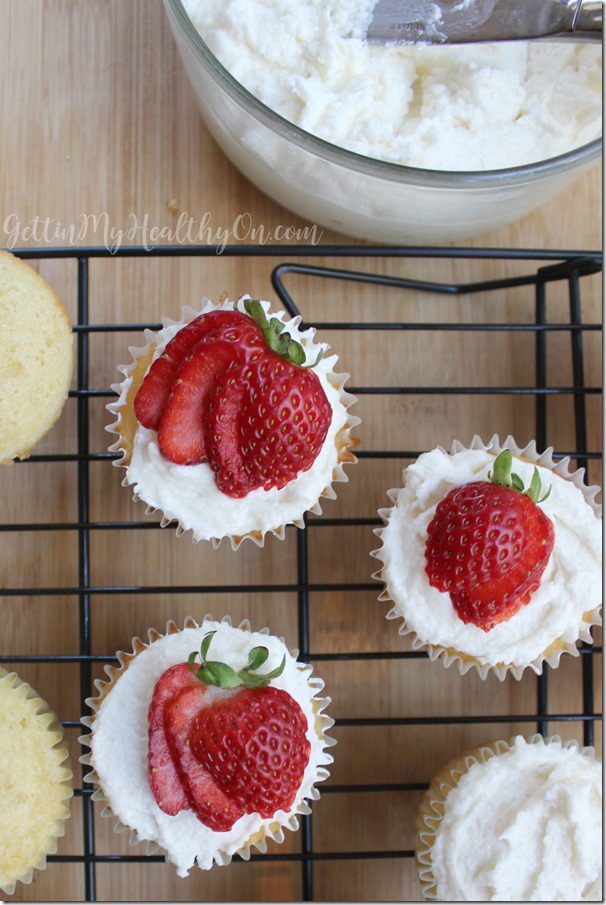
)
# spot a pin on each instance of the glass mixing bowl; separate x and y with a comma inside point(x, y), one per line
point(347, 192)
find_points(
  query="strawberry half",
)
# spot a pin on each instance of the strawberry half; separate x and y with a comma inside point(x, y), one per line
point(255, 747)
point(267, 421)
point(488, 545)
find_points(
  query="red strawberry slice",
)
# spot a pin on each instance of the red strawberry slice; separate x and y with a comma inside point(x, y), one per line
point(164, 779)
point(154, 391)
point(181, 430)
point(226, 455)
point(268, 420)
point(210, 803)
point(487, 546)
point(254, 745)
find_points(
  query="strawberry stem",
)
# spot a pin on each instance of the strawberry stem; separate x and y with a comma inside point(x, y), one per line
point(221, 675)
point(503, 477)
point(277, 338)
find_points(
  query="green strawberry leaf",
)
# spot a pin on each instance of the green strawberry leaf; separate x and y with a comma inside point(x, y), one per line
point(277, 337)
point(502, 475)
point(257, 657)
point(517, 483)
point(205, 676)
point(502, 469)
point(253, 681)
point(277, 671)
point(221, 675)
point(206, 644)
point(226, 676)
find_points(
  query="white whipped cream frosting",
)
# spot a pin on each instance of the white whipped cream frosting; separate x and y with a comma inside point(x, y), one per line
point(571, 584)
point(119, 743)
point(524, 825)
point(466, 107)
point(189, 494)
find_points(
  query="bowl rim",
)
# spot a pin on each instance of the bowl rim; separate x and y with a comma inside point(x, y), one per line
point(371, 166)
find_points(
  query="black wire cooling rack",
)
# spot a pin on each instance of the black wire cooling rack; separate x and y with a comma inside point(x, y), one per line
point(539, 270)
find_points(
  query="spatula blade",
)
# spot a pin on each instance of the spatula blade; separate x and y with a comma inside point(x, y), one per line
point(468, 21)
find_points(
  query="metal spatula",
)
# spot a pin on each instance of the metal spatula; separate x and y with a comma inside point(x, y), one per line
point(473, 21)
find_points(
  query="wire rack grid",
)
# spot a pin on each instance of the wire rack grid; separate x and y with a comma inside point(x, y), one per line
point(535, 273)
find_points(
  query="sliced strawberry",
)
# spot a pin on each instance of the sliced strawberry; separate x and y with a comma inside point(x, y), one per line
point(254, 745)
point(260, 425)
point(154, 391)
point(164, 779)
point(210, 803)
point(226, 455)
point(269, 419)
point(487, 546)
point(181, 430)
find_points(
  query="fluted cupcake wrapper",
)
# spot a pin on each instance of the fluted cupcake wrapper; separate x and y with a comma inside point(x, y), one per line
point(259, 840)
point(40, 710)
point(465, 662)
point(433, 804)
point(125, 427)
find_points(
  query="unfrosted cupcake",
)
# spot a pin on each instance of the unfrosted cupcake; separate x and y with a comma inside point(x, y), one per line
point(491, 557)
point(35, 782)
point(37, 358)
point(207, 741)
point(514, 821)
point(232, 422)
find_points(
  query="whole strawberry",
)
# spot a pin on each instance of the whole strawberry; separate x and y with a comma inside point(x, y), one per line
point(488, 545)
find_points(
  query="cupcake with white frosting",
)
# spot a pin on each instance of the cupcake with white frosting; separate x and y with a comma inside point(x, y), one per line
point(515, 821)
point(232, 422)
point(491, 557)
point(207, 741)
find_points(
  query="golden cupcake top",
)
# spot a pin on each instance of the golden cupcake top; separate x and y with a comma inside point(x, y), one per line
point(35, 781)
point(37, 358)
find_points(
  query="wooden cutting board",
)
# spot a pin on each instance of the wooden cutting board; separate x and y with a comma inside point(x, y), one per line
point(102, 144)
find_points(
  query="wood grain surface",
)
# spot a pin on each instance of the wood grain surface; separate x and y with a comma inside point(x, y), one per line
point(101, 144)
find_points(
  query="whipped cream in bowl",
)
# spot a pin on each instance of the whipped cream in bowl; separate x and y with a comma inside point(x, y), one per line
point(560, 611)
point(399, 144)
point(188, 494)
point(466, 107)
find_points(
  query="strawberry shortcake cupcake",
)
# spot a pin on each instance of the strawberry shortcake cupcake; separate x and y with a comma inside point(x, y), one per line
point(208, 741)
point(232, 422)
point(491, 557)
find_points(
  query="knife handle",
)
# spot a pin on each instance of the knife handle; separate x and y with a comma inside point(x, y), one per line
point(587, 22)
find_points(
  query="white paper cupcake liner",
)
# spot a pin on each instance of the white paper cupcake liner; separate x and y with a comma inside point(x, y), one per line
point(259, 840)
point(433, 805)
point(465, 662)
point(125, 427)
point(40, 710)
